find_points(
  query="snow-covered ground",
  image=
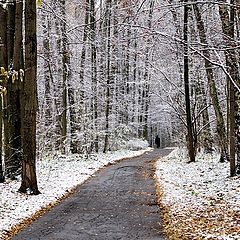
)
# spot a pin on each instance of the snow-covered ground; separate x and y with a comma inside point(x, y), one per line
point(56, 177)
point(199, 200)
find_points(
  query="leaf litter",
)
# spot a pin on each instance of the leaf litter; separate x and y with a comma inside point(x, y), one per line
point(198, 200)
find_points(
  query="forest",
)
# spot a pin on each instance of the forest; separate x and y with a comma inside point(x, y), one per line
point(105, 71)
point(85, 77)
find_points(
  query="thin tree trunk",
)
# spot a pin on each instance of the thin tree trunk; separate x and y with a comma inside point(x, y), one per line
point(47, 73)
point(221, 130)
point(65, 76)
point(94, 72)
point(8, 116)
point(147, 76)
point(2, 178)
point(227, 20)
point(16, 89)
point(3, 63)
point(108, 75)
point(191, 150)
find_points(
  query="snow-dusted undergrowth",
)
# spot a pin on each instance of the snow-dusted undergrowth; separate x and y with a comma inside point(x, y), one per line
point(56, 176)
point(202, 201)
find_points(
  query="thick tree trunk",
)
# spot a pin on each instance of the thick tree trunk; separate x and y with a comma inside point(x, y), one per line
point(29, 178)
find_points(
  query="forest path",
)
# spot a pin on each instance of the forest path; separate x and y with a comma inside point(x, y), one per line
point(119, 202)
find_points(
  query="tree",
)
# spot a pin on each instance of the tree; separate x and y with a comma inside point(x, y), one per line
point(211, 83)
point(3, 64)
point(29, 99)
point(228, 19)
point(190, 139)
point(108, 73)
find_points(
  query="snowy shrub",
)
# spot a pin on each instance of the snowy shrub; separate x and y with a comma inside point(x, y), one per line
point(121, 138)
point(136, 144)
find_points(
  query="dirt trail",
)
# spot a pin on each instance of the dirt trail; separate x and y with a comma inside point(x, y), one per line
point(119, 202)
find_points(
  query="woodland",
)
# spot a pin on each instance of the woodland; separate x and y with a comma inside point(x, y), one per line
point(83, 77)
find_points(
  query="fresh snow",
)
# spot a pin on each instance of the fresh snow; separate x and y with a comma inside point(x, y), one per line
point(202, 200)
point(56, 177)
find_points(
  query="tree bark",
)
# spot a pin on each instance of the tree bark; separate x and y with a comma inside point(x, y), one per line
point(108, 75)
point(94, 73)
point(221, 130)
point(29, 178)
point(227, 19)
point(3, 63)
point(190, 140)
point(15, 92)
point(65, 76)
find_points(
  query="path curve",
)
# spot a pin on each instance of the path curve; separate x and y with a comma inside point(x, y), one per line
point(119, 202)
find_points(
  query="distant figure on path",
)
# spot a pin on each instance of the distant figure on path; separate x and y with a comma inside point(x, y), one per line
point(157, 141)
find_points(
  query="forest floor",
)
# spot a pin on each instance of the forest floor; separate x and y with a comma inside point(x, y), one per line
point(198, 200)
point(118, 202)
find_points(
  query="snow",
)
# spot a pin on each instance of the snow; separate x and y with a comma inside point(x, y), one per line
point(201, 200)
point(57, 176)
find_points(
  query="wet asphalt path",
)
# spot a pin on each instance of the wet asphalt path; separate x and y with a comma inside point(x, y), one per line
point(119, 202)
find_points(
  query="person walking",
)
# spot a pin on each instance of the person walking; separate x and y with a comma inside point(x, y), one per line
point(157, 141)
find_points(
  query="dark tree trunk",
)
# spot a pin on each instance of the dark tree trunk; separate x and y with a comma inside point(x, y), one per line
point(221, 130)
point(29, 178)
point(227, 20)
point(190, 140)
point(8, 115)
point(108, 75)
point(3, 64)
point(15, 93)
point(65, 77)
point(94, 72)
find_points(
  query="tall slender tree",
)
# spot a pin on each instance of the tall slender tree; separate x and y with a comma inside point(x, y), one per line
point(190, 140)
point(221, 130)
point(227, 16)
point(3, 64)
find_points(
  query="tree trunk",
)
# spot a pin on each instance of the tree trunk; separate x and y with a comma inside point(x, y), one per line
point(108, 75)
point(3, 63)
point(190, 144)
point(8, 115)
point(147, 76)
point(65, 76)
point(15, 93)
point(94, 73)
point(29, 178)
point(47, 76)
point(234, 98)
point(221, 130)
point(68, 83)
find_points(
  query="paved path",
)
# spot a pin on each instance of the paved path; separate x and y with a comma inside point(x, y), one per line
point(118, 203)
